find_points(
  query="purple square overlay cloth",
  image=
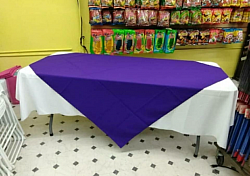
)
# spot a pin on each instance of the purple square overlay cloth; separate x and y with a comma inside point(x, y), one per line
point(124, 95)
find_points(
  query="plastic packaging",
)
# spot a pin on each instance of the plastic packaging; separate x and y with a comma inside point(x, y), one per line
point(228, 36)
point(179, 4)
point(220, 35)
point(142, 19)
point(118, 17)
point(163, 18)
point(225, 3)
point(238, 36)
point(159, 40)
point(130, 17)
point(96, 42)
point(108, 37)
point(235, 3)
point(216, 3)
point(154, 4)
point(195, 17)
point(243, 3)
point(186, 4)
point(193, 37)
point(175, 17)
point(182, 38)
point(184, 17)
point(213, 36)
point(246, 16)
point(206, 15)
point(129, 41)
point(107, 3)
point(152, 17)
point(130, 3)
point(206, 3)
point(144, 4)
point(195, 3)
point(106, 17)
point(94, 3)
point(170, 41)
point(226, 15)
point(139, 41)
point(168, 4)
point(216, 17)
point(236, 15)
point(95, 16)
point(119, 4)
point(149, 40)
point(118, 41)
point(204, 37)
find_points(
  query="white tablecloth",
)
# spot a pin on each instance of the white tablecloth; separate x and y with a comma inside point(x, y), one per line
point(210, 112)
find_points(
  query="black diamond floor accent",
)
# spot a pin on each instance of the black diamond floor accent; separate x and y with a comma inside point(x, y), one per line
point(47, 124)
point(141, 140)
point(186, 134)
point(35, 169)
point(59, 141)
point(112, 157)
point(110, 145)
point(130, 154)
point(31, 126)
point(93, 147)
point(77, 121)
point(157, 139)
point(58, 153)
point(13, 106)
point(96, 174)
point(39, 155)
point(61, 131)
point(178, 147)
point(14, 172)
point(91, 127)
point(76, 139)
point(77, 129)
point(92, 136)
point(94, 160)
point(42, 143)
point(153, 165)
point(115, 172)
point(19, 158)
point(170, 163)
point(28, 135)
point(215, 171)
point(34, 117)
point(204, 157)
point(75, 163)
point(76, 150)
point(152, 129)
point(56, 166)
point(45, 133)
point(171, 136)
point(196, 174)
point(194, 145)
point(135, 169)
point(147, 152)
point(209, 142)
point(24, 145)
point(187, 160)
point(163, 150)
point(62, 122)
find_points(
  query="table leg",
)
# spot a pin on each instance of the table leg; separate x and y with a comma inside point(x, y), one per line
point(50, 125)
point(198, 140)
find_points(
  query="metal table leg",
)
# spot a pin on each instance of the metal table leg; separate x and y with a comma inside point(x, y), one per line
point(50, 125)
point(198, 139)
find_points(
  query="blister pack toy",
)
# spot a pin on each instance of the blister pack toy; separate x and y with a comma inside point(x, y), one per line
point(186, 4)
point(130, 16)
point(154, 4)
point(213, 36)
point(228, 36)
point(246, 16)
point(193, 37)
point(144, 4)
point(195, 16)
point(175, 17)
point(129, 41)
point(118, 41)
point(119, 4)
point(142, 17)
point(159, 40)
point(243, 3)
point(130, 3)
point(220, 35)
point(95, 16)
point(204, 37)
point(163, 18)
point(182, 37)
point(226, 15)
point(94, 3)
point(195, 3)
point(235, 3)
point(170, 41)
point(96, 42)
point(236, 15)
point(108, 38)
point(216, 3)
point(139, 41)
point(107, 3)
point(238, 36)
point(206, 15)
point(118, 17)
point(152, 17)
point(168, 4)
point(106, 17)
point(216, 17)
point(206, 3)
point(225, 3)
point(184, 17)
point(149, 40)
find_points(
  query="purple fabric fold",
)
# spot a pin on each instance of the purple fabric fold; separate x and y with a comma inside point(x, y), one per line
point(124, 95)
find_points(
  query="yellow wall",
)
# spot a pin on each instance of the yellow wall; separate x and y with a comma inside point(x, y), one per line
point(32, 29)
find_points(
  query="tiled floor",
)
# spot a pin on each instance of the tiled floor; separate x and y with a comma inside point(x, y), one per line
point(79, 148)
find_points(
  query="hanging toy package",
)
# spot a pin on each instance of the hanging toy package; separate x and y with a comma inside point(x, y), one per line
point(243, 3)
point(144, 4)
point(204, 37)
point(118, 17)
point(182, 38)
point(216, 17)
point(226, 14)
point(130, 3)
point(170, 41)
point(179, 4)
point(108, 36)
point(95, 16)
point(246, 16)
point(216, 3)
point(95, 3)
point(175, 17)
point(96, 42)
point(154, 4)
point(184, 17)
point(195, 3)
point(159, 40)
point(225, 3)
point(206, 3)
point(206, 15)
point(228, 36)
point(168, 4)
point(106, 17)
point(213, 36)
point(139, 41)
point(237, 15)
point(238, 36)
point(152, 17)
point(129, 41)
point(235, 3)
point(163, 18)
point(220, 35)
point(149, 40)
point(142, 19)
point(193, 37)
point(118, 41)
point(187, 4)
point(107, 3)
point(119, 4)
point(130, 16)
point(195, 17)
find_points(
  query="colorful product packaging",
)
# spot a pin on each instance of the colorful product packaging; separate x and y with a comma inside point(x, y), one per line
point(220, 35)
point(216, 3)
point(193, 37)
point(152, 17)
point(206, 3)
point(130, 3)
point(144, 4)
point(163, 18)
point(139, 41)
point(213, 36)
point(94, 3)
point(119, 4)
point(106, 17)
point(159, 40)
point(179, 4)
point(182, 38)
point(107, 3)
point(206, 15)
point(204, 37)
point(95, 16)
point(225, 3)
point(175, 17)
point(236, 15)
point(246, 16)
point(149, 40)
point(170, 41)
point(235, 3)
point(154, 4)
point(130, 17)
point(129, 41)
point(118, 17)
point(228, 36)
point(243, 3)
point(168, 4)
point(96, 41)
point(108, 38)
point(238, 36)
point(226, 15)
point(216, 17)
point(186, 4)
point(142, 19)
point(118, 41)
point(184, 17)
point(195, 16)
